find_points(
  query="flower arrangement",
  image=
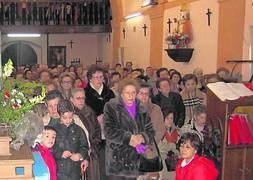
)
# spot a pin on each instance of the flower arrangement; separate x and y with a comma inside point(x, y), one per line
point(178, 40)
point(17, 98)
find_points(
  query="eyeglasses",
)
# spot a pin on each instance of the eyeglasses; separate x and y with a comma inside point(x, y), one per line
point(144, 94)
point(98, 77)
point(66, 82)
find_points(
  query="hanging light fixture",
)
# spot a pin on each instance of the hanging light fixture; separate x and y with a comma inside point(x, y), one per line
point(149, 3)
point(23, 35)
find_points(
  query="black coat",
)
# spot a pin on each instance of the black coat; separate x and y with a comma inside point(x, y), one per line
point(73, 139)
point(121, 158)
point(96, 101)
point(89, 119)
point(174, 102)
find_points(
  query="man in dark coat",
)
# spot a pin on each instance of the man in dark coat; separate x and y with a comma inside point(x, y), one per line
point(170, 100)
point(96, 95)
point(89, 119)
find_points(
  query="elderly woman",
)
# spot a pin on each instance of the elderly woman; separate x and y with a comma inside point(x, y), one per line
point(192, 166)
point(127, 126)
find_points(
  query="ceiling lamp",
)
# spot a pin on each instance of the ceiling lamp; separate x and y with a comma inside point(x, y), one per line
point(132, 15)
point(23, 35)
point(149, 3)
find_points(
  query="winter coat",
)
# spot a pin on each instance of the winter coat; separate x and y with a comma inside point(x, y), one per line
point(200, 168)
point(48, 158)
point(96, 101)
point(174, 102)
point(73, 139)
point(121, 158)
point(88, 118)
point(191, 102)
point(156, 117)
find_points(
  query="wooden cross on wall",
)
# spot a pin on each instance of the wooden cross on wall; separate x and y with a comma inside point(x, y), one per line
point(209, 16)
point(145, 29)
point(71, 43)
point(169, 23)
point(124, 33)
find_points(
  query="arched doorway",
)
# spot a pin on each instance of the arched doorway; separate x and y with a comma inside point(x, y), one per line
point(20, 54)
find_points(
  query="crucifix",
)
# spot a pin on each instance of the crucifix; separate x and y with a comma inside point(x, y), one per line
point(209, 16)
point(124, 33)
point(71, 43)
point(169, 23)
point(145, 29)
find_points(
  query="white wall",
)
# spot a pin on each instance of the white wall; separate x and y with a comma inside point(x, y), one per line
point(247, 69)
point(205, 38)
point(87, 47)
point(136, 45)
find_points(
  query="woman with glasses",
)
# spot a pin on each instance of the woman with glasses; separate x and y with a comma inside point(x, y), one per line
point(96, 95)
point(66, 83)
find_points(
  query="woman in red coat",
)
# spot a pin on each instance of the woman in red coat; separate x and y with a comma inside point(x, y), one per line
point(192, 166)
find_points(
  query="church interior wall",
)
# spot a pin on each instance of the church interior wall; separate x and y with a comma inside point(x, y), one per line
point(136, 45)
point(247, 69)
point(204, 37)
point(87, 47)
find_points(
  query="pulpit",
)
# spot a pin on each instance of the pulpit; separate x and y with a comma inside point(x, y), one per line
point(236, 160)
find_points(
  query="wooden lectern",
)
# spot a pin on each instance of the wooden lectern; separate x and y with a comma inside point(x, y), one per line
point(236, 160)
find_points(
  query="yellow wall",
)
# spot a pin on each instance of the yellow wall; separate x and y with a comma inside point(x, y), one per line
point(136, 45)
point(204, 37)
point(227, 38)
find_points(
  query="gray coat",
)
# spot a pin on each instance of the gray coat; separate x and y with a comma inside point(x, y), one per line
point(121, 158)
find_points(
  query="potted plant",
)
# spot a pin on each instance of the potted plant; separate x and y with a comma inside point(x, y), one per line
point(16, 99)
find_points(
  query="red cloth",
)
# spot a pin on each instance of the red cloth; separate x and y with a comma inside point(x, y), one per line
point(200, 168)
point(49, 160)
point(171, 137)
point(249, 85)
point(239, 130)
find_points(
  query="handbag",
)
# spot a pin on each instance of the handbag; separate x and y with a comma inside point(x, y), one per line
point(153, 164)
point(171, 161)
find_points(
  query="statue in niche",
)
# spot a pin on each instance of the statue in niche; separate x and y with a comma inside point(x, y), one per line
point(24, 12)
point(7, 14)
point(1, 13)
point(29, 13)
point(68, 13)
point(34, 10)
point(12, 11)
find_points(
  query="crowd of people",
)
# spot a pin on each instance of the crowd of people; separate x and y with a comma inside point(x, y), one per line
point(100, 121)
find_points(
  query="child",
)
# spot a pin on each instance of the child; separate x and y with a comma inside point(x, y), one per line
point(43, 146)
point(167, 146)
point(71, 146)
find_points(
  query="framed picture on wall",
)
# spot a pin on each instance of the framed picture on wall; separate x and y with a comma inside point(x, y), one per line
point(56, 55)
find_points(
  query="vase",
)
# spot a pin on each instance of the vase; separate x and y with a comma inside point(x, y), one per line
point(5, 140)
